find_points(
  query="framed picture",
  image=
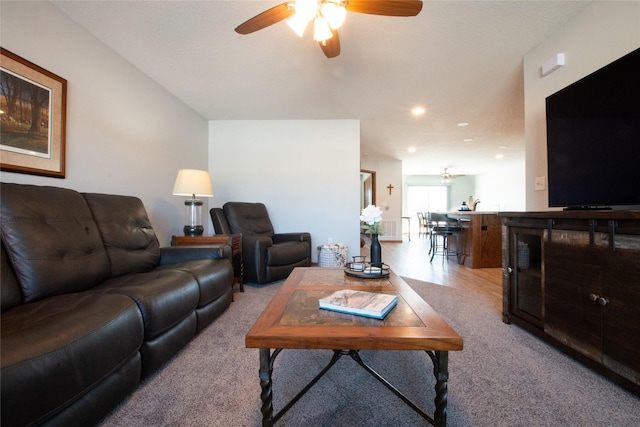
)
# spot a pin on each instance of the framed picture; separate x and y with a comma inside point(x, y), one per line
point(32, 118)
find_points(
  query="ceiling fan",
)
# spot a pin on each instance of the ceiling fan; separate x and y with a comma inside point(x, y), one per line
point(327, 17)
point(447, 177)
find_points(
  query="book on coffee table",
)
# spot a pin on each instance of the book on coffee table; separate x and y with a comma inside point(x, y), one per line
point(361, 303)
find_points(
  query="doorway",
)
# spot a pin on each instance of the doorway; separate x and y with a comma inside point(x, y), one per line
point(367, 188)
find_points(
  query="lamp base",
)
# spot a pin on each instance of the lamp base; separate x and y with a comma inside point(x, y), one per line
point(193, 230)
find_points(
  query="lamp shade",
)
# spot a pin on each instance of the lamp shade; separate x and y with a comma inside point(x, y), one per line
point(193, 182)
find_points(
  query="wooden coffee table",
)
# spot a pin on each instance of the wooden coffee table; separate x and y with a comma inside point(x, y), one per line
point(293, 320)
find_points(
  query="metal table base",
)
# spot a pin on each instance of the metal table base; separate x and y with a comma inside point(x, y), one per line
point(440, 361)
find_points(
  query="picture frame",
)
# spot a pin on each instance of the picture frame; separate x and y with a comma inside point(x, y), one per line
point(33, 105)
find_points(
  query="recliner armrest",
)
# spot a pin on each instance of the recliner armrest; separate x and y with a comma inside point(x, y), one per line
point(255, 243)
point(291, 237)
point(176, 254)
point(254, 252)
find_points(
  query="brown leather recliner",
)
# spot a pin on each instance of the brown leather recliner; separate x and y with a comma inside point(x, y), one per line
point(267, 256)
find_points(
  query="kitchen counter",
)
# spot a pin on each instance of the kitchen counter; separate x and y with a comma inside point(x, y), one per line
point(480, 240)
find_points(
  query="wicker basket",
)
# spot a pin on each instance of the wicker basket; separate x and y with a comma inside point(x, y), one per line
point(332, 255)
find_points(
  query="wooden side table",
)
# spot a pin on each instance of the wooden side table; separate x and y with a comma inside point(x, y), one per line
point(233, 240)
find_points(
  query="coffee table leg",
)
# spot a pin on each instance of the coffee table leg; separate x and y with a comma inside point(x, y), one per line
point(266, 368)
point(441, 372)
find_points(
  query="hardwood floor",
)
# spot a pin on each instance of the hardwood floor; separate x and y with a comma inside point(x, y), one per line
point(411, 259)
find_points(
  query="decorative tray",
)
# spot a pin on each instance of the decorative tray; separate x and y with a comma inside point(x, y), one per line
point(364, 270)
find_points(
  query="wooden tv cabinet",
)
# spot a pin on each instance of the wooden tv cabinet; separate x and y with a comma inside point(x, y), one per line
point(573, 279)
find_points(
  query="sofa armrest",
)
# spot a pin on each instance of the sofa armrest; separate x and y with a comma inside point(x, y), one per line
point(291, 237)
point(176, 254)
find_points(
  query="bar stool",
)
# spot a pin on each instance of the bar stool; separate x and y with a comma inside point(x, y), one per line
point(422, 224)
point(443, 228)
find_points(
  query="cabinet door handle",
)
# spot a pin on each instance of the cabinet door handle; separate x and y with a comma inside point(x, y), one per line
point(600, 300)
point(509, 270)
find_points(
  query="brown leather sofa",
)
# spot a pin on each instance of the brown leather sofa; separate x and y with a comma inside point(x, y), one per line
point(91, 303)
point(267, 255)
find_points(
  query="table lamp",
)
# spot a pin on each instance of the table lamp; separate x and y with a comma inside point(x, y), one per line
point(192, 182)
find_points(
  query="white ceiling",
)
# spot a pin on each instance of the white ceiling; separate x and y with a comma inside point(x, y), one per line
point(461, 60)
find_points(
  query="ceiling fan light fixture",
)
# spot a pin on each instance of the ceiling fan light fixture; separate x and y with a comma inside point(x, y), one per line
point(321, 30)
point(298, 24)
point(328, 16)
point(334, 14)
point(306, 9)
point(446, 176)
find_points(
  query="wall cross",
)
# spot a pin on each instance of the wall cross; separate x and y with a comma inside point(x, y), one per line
point(390, 187)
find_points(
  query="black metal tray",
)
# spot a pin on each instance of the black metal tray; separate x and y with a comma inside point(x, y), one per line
point(364, 270)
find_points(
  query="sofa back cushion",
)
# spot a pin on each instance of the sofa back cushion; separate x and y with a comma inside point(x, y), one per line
point(131, 243)
point(51, 239)
point(10, 295)
point(248, 218)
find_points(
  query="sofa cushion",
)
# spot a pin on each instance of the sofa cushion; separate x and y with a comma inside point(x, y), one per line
point(91, 408)
point(52, 241)
point(165, 297)
point(214, 277)
point(58, 349)
point(126, 231)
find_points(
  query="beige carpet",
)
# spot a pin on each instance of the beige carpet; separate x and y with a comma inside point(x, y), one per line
point(503, 377)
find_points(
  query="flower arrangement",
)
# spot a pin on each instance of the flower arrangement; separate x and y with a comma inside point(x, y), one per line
point(371, 216)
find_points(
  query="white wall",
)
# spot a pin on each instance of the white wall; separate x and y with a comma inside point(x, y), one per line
point(306, 172)
point(460, 189)
point(388, 172)
point(125, 134)
point(604, 32)
point(502, 189)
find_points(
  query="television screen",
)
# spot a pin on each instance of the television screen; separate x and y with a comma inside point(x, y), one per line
point(593, 138)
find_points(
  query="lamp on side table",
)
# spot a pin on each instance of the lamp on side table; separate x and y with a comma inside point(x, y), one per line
point(193, 182)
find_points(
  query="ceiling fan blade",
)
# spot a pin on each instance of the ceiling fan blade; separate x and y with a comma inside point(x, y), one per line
point(265, 19)
point(385, 7)
point(331, 47)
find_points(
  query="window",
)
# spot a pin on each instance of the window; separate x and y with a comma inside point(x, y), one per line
point(425, 198)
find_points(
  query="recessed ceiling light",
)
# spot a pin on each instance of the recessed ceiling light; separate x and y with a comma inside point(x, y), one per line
point(461, 124)
point(411, 149)
point(502, 147)
point(499, 156)
point(418, 111)
point(468, 139)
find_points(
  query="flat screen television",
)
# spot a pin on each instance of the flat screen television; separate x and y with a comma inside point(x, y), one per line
point(593, 138)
